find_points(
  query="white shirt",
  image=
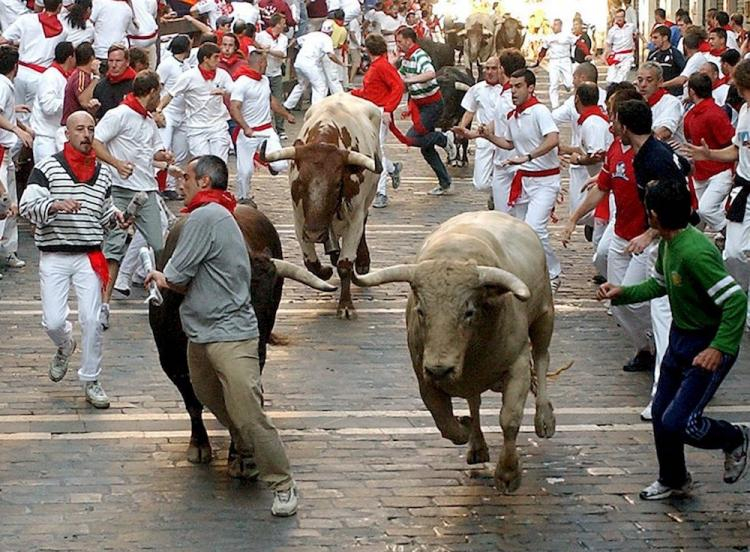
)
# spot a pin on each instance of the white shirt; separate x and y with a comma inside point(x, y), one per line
point(621, 38)
point(33, 47)
point(131, 137)
point(559, 46)
point(481, 99)
point(720, 94)
point(7, 110)
point(265, 40)
point(10, 10)
point(527, 131)
point(742, 141)
point(46, 113)
point(113, 21)
point(145, 15)
point(668, 113)
point(314, 47)
point(692, 65)
point(255, 96)
point(76, 35)
point(500, 121)
point(381, 21)
point(169, 70)
point(213, 9)
point(246, 11)
point(204, 112)
point(732, 43)
point(595, 135)
point(567, 113)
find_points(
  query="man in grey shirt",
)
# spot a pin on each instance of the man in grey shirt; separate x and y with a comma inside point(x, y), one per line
point(211, 267)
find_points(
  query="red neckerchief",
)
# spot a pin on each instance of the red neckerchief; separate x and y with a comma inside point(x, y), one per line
point(704, 46)
point(128, 74)
point(656, 96)
point(274, 36)
point(523, 107)
point(717, 51)
point(212, 195)
point(207, 75)
point(592, 111)
point(51, 25)
point(621, 25)
point(506, 87)
point(82, 165)
point(132, 102)
point(410, 51)
point(728, 28)
point(581, 44)
point(246, 71)
point(720, 82)
point(62, 70)
point(231, 60)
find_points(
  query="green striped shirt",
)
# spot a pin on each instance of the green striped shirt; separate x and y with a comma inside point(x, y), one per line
point(418, 63)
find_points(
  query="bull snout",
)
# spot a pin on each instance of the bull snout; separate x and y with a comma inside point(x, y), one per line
point(439, 371)
point(315, 235)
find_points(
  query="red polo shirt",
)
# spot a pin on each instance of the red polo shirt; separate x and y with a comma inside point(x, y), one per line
point(382, 85)
point(617, 175)
point(707, 121)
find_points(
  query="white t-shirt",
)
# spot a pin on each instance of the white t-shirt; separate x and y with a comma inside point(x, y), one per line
point(205, 113)
point(620, 39)
point(265, 40)
point(741, 140)
point(10, 10)
point(500, 122)
point(33, 47)
point(46, 113)
point(7, 110)
point(481, 99)
point(567, 113)
point(595, 135)
point(169, 70)
point(720, 94)
point(692, 65)
point(246, 11)
point(255, 96)
point(113, 21)
point(559, 46)
point(527, 131)
point(131, 137)
point(213, 9)
point(314, 47)
point(381, 21)
point(668, 113)
point(76, 35)
point(145, 15)
point(732, 43)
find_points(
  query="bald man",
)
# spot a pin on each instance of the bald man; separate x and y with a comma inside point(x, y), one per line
point(67, 199)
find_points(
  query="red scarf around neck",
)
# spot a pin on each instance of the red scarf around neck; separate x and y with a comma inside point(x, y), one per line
point(592, 111)
point(128, 74)
point(275, 36)
point(656, 96)
point(62, 70)
point(506, 87)
point(620, 25)
point(720, 82)
point(410, 51)
point(246, 71)
point(212, 195)
point(717, 51)
point(132, 102)
point(207, 75)
point(51, 25)
point(531, 101)
point(82, 165)
point(231, 60)
point(704, 46)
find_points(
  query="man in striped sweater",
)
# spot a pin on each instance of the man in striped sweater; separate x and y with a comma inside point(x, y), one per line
point(68, 200)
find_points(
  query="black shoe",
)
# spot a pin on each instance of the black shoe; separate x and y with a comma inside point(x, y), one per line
point(642, 362)
point(588, 233)
point(598, 279)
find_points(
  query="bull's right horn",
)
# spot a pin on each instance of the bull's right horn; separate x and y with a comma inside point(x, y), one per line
point(461, 33)
point(361, 160)
point(462, 86)
point(285, 269)
point(493, 276)
point(395, 273)
point(289, 152)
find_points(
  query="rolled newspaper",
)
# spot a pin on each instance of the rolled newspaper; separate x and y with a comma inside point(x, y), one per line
point(146, 256)
point(138, 201)
point(4, 204)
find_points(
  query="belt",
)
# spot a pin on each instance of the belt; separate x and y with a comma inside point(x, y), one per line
point(143, 37)
point(736, 211)
point(516, 186)
point(34, 66)
point(238, 129)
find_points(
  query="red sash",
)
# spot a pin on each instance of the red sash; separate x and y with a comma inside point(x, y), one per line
point(99, 265)
point(236, 131)
point(34, 66)
point(516, 186)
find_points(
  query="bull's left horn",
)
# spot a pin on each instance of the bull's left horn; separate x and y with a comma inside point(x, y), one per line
point(395, 273)
point(493, 276)
point(462, 86)
point(289, 152)
point(361, 160)
point(285, 269)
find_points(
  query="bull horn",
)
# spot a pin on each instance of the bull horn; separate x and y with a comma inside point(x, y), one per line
point(487, 33)
point(289, 152)
point(493, 276)
point(395, 273)
point(462, 86)
point(462, 32)
point(285, 269)
point(361, 160)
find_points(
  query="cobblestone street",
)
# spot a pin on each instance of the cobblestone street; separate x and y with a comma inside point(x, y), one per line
point(373, 471)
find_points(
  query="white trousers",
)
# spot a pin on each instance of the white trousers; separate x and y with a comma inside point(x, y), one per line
point(661, 317)
point(737, 249)
point(174, 137)
point(387, 163)
point(333, 74)
point(213, 142)
point(537, 202)
point(43, 147)
point(712, 194)
point(308, 75)
point(560, 74)
point(484, 163)
point(619, 71)
point(578, 177)
point(602, 239)
point(626, 269)
point(56, 272)
point(501, 179)
point(26, 84)
point(9, 225)
point(246, 148)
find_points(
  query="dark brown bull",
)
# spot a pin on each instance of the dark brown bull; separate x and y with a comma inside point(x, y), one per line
point(509, 34)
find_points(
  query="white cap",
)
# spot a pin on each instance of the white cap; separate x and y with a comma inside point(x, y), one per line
point(327, 26)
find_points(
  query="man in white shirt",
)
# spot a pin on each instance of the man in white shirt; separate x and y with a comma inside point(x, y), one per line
point(275, 44)
point(146, 32)
point(719, 85)
point(314, 47)
point(620, 48)
point(10, 10)
point(666, 109)
point(386, 22)
point(213, 9)
point(695, 60)
point(251, 106)
point(47, 111)
point(204, 88)
point(127, 139)
point(113, 20)
point(247, 11)
point(557, 48)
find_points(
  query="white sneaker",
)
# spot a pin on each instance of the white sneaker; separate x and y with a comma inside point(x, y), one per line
point(95, 395)
point(381, 201)
point(555, 283)
point(285, 502)
point(104, 316)
point(450, 145)
point(439, 191)
point(735, 462)
point(658, 491)
point(646, 413)
point(13, 261)
point(59, 365)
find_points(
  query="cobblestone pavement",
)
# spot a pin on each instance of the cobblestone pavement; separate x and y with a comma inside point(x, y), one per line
point(373, 471)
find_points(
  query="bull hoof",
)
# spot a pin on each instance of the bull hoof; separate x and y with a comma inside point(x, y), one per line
point(243, 468)
point(507, 480)
point(464, 435)
point(544, 420)
point(363, 269)
point(478, 456)
point(322, 272)
point(199, 454)
point(346, 312)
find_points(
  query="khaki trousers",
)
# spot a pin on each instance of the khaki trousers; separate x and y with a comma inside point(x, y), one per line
point(226, 378)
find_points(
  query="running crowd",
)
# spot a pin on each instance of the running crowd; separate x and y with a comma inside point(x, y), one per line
point(83, 88)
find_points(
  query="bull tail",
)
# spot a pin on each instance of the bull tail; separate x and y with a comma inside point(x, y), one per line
point(278, 340)
point(550, 375)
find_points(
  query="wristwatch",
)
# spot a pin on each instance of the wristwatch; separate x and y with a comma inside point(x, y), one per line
point(529, 156)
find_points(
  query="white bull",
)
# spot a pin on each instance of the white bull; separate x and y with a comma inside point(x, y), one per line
point(479, 311)
point(333, 181)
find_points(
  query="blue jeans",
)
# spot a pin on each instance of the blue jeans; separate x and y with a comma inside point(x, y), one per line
point(429, 115)
point(682, 393)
